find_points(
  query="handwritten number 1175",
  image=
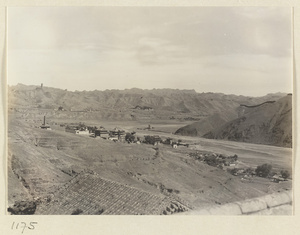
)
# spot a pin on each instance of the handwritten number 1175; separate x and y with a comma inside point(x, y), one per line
point(23, 226)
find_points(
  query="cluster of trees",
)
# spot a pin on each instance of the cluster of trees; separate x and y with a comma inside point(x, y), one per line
point(219, 160)
point(265, 170)
point(285, 174)
point(92, 129)
point(211, 160)
point(152, 139)
point(130, 137)
point(247, 171)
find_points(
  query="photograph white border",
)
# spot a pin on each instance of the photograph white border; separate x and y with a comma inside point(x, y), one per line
point(150, 224)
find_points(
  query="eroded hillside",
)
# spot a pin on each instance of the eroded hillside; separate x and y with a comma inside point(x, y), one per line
point(130, 104)
point(268, 123)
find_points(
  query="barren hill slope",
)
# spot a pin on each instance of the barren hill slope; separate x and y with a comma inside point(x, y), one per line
point(203, 126)
point(269, 123)
point(216, 120)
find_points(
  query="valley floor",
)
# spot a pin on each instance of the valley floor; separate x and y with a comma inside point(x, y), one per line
point(42, 163)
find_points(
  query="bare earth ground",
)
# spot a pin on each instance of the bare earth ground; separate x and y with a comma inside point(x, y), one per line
point(40, 162)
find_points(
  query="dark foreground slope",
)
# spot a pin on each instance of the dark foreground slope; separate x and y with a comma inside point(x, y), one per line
point(269, 123)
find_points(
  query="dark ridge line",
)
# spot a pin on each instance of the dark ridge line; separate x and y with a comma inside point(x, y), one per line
point(253, 106)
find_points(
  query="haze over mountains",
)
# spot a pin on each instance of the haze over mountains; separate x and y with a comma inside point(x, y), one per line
point(218, 115)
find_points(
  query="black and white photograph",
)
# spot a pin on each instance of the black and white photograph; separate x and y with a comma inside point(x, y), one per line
point(150, 110)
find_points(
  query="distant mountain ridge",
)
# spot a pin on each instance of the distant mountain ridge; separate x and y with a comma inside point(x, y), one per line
point(121, 104)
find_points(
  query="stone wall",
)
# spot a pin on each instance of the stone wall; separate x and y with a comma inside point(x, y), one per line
point(272, 204)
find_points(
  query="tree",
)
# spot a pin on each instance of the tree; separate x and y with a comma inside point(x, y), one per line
point(263, 170)
point(92, 129)
point(235, 157)
point(149, 139)
point(129, 137)
point(285, 174)
point(211, 160)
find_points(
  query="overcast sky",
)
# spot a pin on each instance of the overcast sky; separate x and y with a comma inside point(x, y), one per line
point(233, 50)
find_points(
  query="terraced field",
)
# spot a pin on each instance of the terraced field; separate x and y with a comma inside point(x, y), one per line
point(90, 194)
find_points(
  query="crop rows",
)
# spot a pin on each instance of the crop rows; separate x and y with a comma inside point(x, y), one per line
point(57, 143)
point(91, 194)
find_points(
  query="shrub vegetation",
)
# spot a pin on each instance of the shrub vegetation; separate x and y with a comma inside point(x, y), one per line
point(263, 170)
